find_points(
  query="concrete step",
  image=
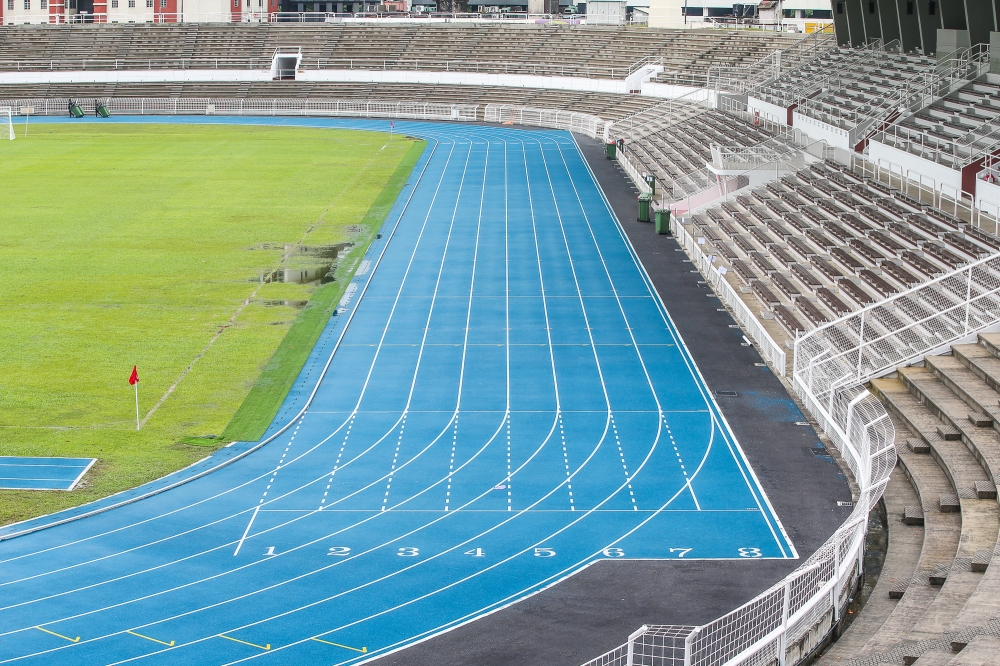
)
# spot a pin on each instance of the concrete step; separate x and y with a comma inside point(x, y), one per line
point(990, 342)
point(939, 544)
point(980, 361)
point(915, 397)
point(934, 658)
point(953, 454)
point(957, 374)
point(980, 651)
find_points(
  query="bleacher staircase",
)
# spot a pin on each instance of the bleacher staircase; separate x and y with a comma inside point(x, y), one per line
point(948, 439)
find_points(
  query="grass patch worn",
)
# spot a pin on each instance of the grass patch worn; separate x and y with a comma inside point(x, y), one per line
point(143, 244)
point(265, 398)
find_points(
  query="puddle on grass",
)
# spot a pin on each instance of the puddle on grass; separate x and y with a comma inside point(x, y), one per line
point(303, 264)
point(288, 304)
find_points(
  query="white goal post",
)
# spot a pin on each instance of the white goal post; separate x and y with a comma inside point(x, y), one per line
point(6, 111)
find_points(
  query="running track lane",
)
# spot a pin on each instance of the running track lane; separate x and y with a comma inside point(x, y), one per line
point(501, 402)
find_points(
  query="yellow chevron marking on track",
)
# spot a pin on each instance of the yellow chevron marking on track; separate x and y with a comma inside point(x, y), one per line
point(71, 640)
point(155, 640)
point(346, 647)
point(236, 640)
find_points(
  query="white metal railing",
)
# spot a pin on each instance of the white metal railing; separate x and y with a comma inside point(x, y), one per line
point(291, 17)
point(924, 190)
point(871, 54)
point(770, 350)
point(919, 90)
point(584, 123)
point(582, 70)
point(885, 335)
point(742, 158)
point(953, 152)
point(739, 79)
point(632, 172)
point(143, 106)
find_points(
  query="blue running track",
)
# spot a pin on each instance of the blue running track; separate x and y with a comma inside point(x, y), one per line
point(20, 473)
point(500, 401)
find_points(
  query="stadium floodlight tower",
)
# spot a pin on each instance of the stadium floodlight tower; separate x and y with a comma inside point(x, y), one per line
point(8, 113)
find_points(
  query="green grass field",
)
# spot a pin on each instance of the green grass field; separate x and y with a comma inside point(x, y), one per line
point(146, 245)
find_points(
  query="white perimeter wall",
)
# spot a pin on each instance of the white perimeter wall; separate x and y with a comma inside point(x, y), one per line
point(942, 175)
point(649, 89)
point(773, 112)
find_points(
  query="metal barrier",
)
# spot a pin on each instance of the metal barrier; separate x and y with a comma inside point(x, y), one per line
point(370, 64)
point(769, 349)
point(153, 16)
point(893, 332)
point(143, 106)
point(583, 123)
point(788, 621)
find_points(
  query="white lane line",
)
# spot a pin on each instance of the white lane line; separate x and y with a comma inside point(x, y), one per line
point(717, 415)
point(336, 465)
point(583, 310)
point(569, 479)
point(506, 324)
point(451, 466)
point(680, 461)
point(246, 531)
point(423, 339)
point(395, 458)
point(621, 454)
point(468, 324)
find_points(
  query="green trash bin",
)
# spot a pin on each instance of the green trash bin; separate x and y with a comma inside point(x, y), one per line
point(644, 200)
point(611, 150)
point(102, 111)
point(663, 221)
point(76, 111)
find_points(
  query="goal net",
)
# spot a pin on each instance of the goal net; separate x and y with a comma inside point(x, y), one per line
point(6, 116)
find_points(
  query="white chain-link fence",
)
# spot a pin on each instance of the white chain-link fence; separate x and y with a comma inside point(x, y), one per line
point(583, 123)
point(169, 106)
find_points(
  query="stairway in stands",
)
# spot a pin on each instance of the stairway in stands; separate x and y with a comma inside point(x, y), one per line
point(938, 599)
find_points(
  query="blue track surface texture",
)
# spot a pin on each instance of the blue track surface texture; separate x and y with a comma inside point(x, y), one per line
point(501, 401)
point(20, 473)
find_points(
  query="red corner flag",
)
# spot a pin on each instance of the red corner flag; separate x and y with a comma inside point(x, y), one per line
point(133, 379)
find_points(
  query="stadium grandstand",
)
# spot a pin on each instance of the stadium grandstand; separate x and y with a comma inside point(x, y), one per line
point(789, 210)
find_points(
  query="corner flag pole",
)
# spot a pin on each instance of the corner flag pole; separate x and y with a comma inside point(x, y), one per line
point(133, 379)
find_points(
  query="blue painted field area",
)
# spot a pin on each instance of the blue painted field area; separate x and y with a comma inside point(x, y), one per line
point(501, 401)
point(20, 473)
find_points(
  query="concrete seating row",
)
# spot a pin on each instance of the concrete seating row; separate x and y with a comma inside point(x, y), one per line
point(961, 118)
point(677, 147)
point(861, 80)
point(823, 242)
point(581, 50)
